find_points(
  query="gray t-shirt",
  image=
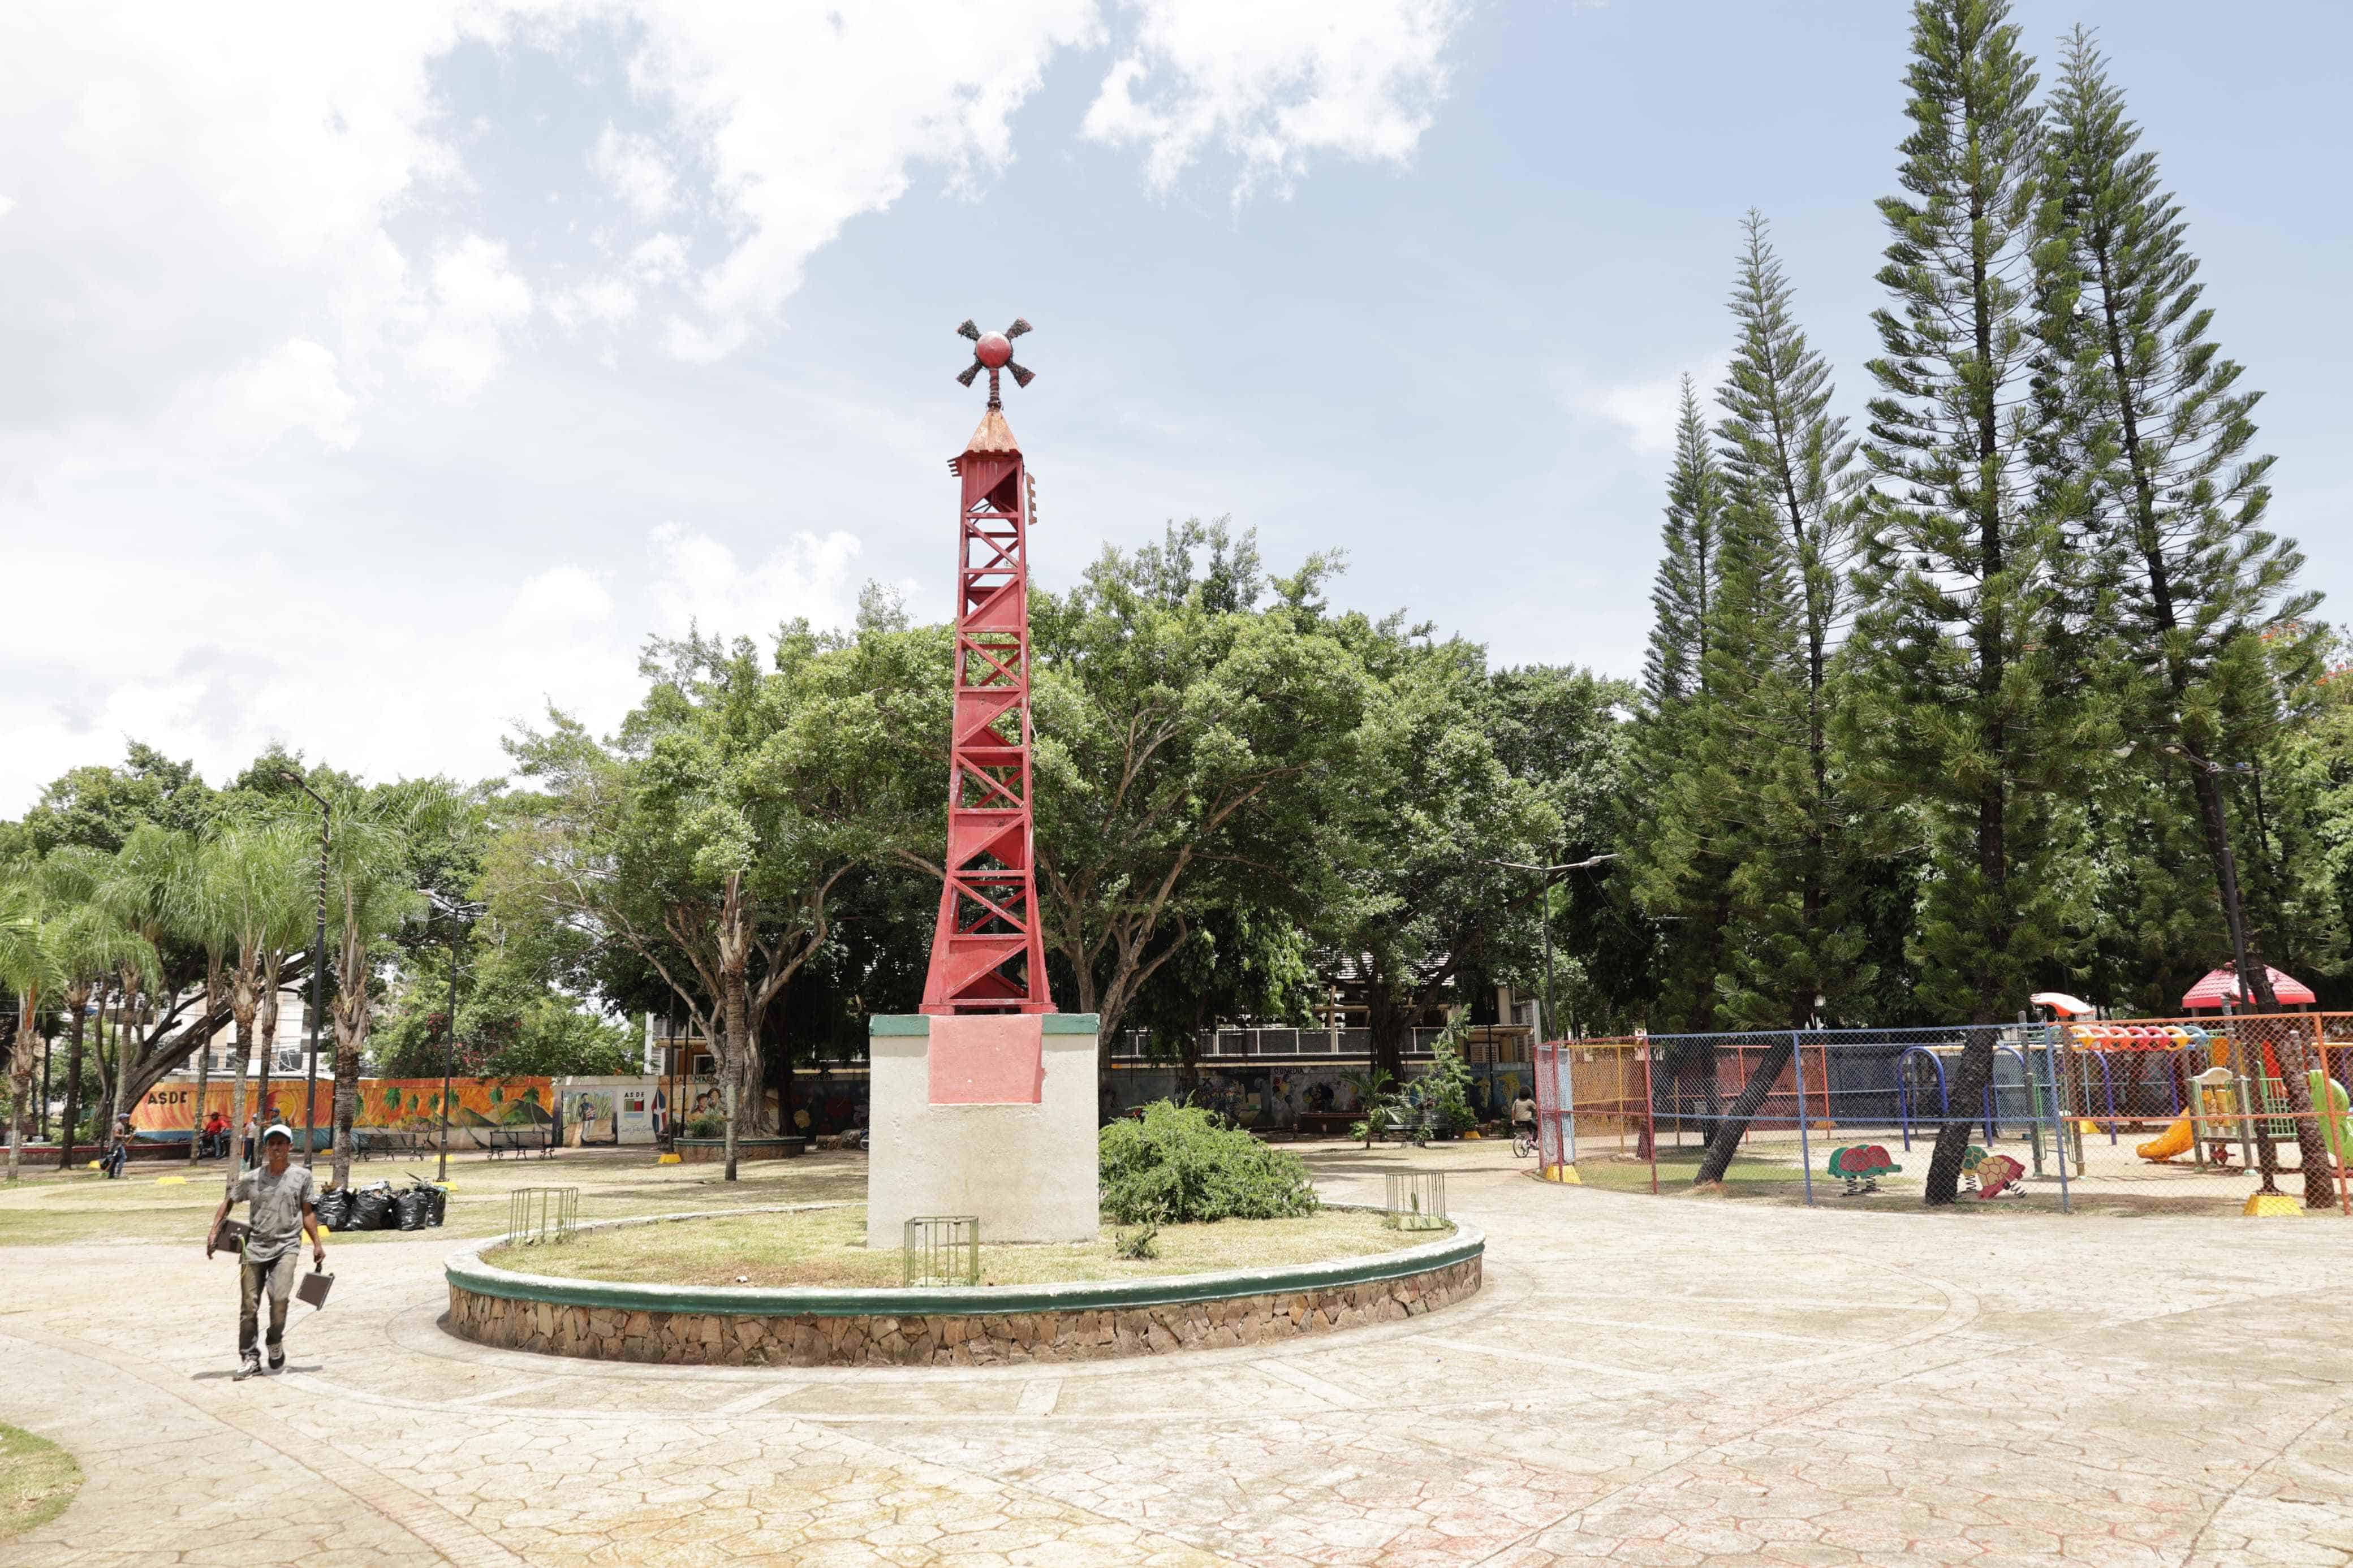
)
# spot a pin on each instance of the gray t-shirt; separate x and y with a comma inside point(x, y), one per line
point(275, 1224)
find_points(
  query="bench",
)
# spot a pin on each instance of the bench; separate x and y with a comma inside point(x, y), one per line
point(369, 1142)
point(516, 1140)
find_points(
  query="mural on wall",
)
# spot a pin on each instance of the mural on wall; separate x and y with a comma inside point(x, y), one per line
point(169, 1110)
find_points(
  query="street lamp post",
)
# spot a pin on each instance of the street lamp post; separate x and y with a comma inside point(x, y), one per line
point(448, 1052)
point(1548, 1022)
point(456, 911)
point(1550, 875)
point(318, 979)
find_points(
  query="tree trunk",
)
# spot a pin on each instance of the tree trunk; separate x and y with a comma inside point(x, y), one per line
point(204, 1085)
point(266, 1032)
point(73, 1088)
point(20, 1078)
point(1725, 1141)
point(244, 1038)
point(347, 1095)
point(1971, 1075)
point(1390, 1024)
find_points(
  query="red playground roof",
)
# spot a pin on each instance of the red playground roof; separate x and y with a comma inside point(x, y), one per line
point(2222, 985)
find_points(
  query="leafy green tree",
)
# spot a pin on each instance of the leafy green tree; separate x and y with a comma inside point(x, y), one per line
point(98, 806)
point(1191, 753)
point(1964, 710)
point(709, 837)
point(2175, 493)
point(1428, 910)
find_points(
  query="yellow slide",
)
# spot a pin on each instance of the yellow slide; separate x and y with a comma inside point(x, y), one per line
point(2174, 1140)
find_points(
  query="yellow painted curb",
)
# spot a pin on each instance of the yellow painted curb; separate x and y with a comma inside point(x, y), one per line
point(1566, 1174)
point(2272, 1205)
point(170, 1181)
point(668, 1160)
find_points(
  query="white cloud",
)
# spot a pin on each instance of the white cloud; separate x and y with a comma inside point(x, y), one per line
point(250, 254)
point(634, 168)
point(222, 657)
point(296, 386)
point(476, 300)
point(701, 584)
point(1273, 84)
point(1646, 412)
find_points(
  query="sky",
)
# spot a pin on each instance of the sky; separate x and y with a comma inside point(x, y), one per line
point(373, 378)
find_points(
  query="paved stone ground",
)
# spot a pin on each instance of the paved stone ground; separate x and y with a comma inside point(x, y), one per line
point(1661, 1382)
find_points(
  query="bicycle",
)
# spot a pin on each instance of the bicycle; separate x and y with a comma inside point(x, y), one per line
point(1524, 1141)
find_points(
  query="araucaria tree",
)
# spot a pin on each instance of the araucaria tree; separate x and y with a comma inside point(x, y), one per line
point(1680, 874)
point(1964, 712)
point(1763, 771)
point(2173, 496)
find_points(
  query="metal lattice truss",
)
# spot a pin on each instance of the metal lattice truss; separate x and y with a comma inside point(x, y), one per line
point(988, 952)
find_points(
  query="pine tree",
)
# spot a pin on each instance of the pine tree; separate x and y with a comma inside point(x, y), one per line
point(1678, 876)
point(2175, 498)
point(1792, 473)
point(1961, 710)
point(1686, 578)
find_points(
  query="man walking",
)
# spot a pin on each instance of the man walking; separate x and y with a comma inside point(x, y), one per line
point(282, 1195)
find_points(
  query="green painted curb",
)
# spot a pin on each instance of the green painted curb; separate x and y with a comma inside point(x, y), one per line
point(916, 1025)
point(467, 1271)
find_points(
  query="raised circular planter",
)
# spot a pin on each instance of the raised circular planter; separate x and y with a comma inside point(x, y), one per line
point(713, 1151)
point(732, 1325)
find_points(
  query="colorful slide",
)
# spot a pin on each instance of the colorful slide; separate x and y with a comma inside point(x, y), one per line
point(2174, 1140)
point(2336, 1125)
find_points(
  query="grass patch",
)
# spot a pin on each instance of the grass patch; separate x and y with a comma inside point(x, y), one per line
point(1746, 1178)
point(37, 1479)
point(83, 1208)
point(828, 1246)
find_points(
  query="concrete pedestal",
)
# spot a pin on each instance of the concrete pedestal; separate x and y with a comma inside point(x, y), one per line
point(991, 1115)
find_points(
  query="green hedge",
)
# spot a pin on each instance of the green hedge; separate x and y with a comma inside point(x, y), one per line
point(1180, 1165)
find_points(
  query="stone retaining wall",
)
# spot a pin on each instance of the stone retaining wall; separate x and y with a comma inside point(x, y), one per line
point(716, 1339)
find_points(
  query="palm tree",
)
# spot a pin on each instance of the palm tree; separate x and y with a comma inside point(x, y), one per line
point(142, 890)
point(370, 894)
point(93, 947)
point(245, 899)
point(30, 969)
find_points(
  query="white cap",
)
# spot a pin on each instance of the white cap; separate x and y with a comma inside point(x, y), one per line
point(278, 1130)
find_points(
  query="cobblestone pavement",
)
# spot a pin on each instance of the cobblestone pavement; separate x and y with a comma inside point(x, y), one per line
point(1660, 1382)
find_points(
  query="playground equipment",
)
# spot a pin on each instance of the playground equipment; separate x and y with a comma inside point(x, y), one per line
point(1861, 1165)
point(1997, 1174)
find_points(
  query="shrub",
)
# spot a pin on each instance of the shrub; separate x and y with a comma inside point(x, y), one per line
point(704, 1127)
point(1180, 1165)
point(1142, 1242)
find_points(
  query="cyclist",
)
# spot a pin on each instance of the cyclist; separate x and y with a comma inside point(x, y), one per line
point(1523, 1117)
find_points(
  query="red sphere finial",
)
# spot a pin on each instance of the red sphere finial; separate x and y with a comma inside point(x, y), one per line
point(993, 351)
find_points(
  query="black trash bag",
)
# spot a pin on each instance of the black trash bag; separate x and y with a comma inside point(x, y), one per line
point(414, 1208)
point(441, 1202)
point(335, 1209)
point(372, 1209)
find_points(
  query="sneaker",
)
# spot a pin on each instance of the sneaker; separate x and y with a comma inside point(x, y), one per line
point(251, 1367)
point(277, 1362)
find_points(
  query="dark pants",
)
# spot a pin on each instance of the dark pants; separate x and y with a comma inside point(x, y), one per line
point(277, 1277)
point(112, 1162)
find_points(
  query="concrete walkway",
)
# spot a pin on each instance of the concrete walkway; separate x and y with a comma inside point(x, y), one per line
point(1646, 1380)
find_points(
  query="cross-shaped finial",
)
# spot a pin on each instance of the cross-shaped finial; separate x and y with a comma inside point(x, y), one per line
point(993, 351)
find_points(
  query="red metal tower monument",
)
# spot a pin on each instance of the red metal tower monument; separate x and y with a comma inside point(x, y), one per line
point(989, 954)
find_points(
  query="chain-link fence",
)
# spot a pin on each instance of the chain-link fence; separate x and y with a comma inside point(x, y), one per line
point(2174, 1116)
